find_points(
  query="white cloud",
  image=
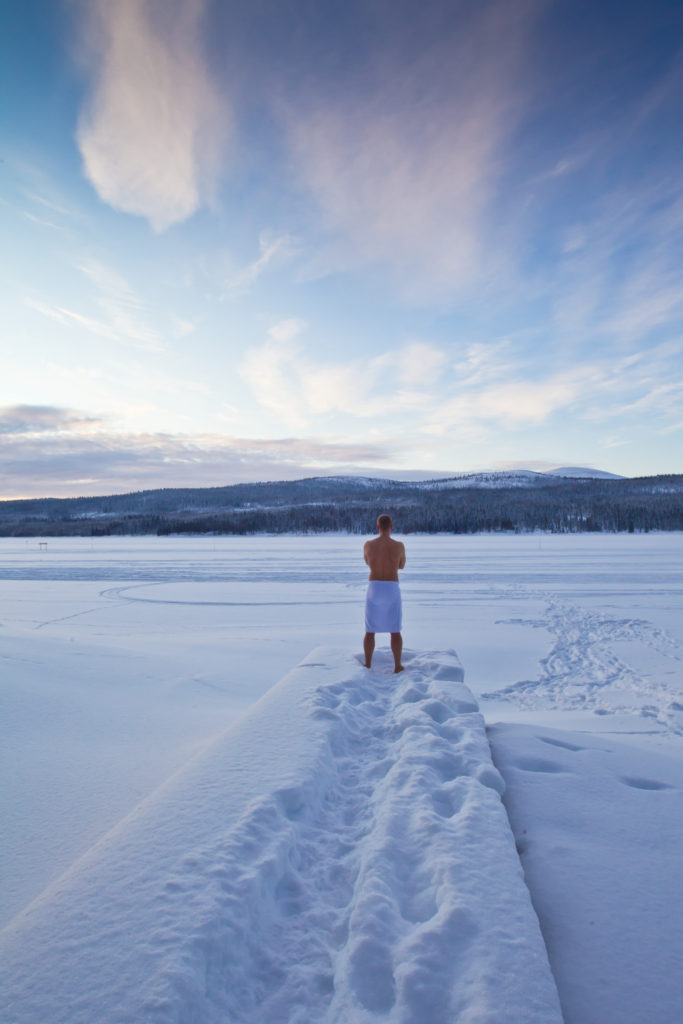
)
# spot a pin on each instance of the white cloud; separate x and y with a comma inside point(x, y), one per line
point(518, 403)
point(270, 372)
point(286, 381)
point(152, 130)
point(286, 330)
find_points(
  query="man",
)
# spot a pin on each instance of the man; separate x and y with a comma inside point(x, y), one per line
point(385, 556)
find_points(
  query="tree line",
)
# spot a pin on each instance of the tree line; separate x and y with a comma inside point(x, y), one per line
point(351, 505)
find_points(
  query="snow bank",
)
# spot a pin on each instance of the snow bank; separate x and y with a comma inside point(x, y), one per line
point(341, 855)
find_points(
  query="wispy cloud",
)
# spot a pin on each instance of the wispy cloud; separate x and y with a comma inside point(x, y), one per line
point(70, 317)
point(405, 160)
point(617, 277)
point(152, 130)
point(123, 316)
point(274, 251)
point(50, 204)
point(41, 221)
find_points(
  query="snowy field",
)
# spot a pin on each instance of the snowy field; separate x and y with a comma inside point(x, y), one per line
point(131, 673)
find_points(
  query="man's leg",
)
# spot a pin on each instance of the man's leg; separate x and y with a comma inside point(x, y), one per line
point(397, 650)
point(368, 647)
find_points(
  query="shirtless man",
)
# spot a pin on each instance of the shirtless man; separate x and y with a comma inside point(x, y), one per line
point(385, 557)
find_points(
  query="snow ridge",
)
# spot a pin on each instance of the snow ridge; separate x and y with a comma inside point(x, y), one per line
point(344, 896)
point(376, 880)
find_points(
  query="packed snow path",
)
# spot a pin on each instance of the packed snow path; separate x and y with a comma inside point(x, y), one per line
point(342, 855)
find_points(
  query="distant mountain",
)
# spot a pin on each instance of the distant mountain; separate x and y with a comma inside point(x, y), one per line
point(495, 478)
point(519, 500)
point(584, 473)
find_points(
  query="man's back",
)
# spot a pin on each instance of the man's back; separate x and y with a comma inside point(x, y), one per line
point(385, 556)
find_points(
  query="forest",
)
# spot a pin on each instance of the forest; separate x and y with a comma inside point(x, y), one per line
point(516, 503)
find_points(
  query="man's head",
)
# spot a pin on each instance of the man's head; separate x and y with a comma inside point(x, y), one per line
point(384, 523)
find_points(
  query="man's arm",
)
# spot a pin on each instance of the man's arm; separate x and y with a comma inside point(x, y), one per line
point(366, 549)
point(402, 559)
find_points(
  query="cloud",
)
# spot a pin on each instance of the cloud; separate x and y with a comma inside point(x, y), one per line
point(514, 404)
point(618, 277)
point(50, 204)
point(286, 330)
point(419, 364)
point(124, 314)
point(41, 221)
point(270, 371)
point(287, 382)
point(21, 420)
point(152, 130)
point(274, 251)
point(405, 158)
point(69, 317)
point(472, 393)
point(58, 452)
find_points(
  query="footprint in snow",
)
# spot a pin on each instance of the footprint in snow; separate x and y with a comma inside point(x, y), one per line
point(539, 764)
point(412, 695)
point(637, 783)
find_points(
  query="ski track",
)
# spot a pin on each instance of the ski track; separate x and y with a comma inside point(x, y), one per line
point(582, 671)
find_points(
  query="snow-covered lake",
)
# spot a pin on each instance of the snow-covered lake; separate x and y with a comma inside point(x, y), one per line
point(122, 659)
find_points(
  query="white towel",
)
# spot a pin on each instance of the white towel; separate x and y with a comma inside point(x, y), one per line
point(383, 607)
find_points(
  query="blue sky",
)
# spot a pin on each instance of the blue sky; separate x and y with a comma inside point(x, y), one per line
point(278, 239)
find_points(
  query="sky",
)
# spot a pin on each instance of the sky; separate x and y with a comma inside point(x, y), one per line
point(290, 238)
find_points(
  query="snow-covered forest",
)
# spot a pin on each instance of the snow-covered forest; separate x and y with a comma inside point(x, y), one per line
point(517, 502)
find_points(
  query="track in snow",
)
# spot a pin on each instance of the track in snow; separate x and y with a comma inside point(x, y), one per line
point(353, 894)
point(583, 671)
point(342, 855)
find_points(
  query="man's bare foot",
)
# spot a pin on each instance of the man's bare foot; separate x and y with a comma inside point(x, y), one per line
point(399, 669)
point(367, 665)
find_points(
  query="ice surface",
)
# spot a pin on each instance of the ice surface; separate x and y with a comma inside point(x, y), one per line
point(341, 855)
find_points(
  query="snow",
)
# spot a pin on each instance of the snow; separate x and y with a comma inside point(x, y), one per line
point(342, 854)
point(181, 840)
point(600, 833)
point(583, 472)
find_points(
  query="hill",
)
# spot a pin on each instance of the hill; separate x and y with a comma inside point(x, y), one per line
point(517, 501)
